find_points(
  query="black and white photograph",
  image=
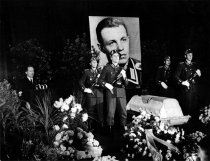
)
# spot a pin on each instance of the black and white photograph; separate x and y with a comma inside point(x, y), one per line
point(104, 80)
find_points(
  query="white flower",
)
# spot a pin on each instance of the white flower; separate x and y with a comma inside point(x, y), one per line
point(71, 150)
point(58, 136)
point(143, 113)
point(157, 118)
point(95, 143)
point(65, 118)
point(69, 100)
point(72, 115)
point(70, 141)
point(84, 117)
point(56, 127)
point(79, 135)
point(65, 107)
point(62, 147)
point(80, 154)
point(65, 126)
point(58, 104)
point(161, 126)
point(70, 132)
point(56, 144)
point(73, 109)
point(78, 107)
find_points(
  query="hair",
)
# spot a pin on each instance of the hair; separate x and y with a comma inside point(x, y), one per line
point(94, 58)
point(108, 23)
point(26, 68)
point(167, 57)
point(188, 51)
point(204, 145)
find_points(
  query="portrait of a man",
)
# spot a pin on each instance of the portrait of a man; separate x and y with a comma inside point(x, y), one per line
point(120, 34)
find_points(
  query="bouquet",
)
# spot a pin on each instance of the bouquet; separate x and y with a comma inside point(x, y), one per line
point(72, 139)
point(190, 145)
point(205, 115)
point(146, 130)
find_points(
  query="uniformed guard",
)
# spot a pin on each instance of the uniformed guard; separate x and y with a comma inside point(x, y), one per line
point(113, 79)
point(93, 92)
point(187, 74)
point(163, 79)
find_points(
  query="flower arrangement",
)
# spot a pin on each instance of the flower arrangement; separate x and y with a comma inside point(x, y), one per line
point(105, 158)
point(190, 145)
point(72, 139)
point(205, 115)
point(142, 133)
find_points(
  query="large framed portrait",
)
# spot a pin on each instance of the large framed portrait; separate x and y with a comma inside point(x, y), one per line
point(133, 64)
point(133, 29)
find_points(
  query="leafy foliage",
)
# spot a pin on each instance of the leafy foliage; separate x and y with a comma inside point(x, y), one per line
point(30, 52)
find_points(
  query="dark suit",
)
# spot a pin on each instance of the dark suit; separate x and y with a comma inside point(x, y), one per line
point(188, 99)
point(117, 100)
point(94, 101)
point(29, 90)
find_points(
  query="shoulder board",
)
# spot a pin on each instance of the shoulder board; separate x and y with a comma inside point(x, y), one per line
point(182, 63)
point(160, 67)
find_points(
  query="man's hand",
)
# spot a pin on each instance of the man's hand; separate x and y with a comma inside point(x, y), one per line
point(164, 85)
point(198, 72)
point(186, 83)
point(20, 93)
point(123, 73)
point(88, 90)
point(110, 87)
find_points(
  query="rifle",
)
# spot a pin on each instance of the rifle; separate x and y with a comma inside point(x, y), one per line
point(190, 79)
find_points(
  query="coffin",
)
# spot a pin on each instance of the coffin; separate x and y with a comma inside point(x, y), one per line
point(168, 109)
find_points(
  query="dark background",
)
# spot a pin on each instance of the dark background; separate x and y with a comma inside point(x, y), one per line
point(178, 24)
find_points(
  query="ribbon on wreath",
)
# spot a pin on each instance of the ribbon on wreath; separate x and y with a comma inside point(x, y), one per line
point(157, 156)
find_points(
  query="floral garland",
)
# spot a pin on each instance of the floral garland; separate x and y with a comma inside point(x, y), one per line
point(136, 142)
point(190, 145)
point(72, 139)
point(205, 115)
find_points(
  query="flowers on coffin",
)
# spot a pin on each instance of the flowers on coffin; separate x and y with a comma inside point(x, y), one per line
point(135, 137)
point(205, 115)
point(190, 147)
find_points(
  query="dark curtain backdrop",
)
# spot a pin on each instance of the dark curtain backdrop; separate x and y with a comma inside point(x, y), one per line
point(180, 24)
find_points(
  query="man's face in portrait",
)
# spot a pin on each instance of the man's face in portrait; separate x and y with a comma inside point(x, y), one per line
point(116, 38)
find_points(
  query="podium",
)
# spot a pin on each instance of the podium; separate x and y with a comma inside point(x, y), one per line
point(168, 109)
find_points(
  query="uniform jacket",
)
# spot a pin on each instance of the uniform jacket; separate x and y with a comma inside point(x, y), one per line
point(90, 80)
point(109, 75)
point(186, 71)
point(163, 75)
point(133, 73)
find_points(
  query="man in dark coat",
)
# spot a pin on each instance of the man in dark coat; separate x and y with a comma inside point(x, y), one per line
point(163, 79)
point(27, 86)
point(187, 74)
point(113, 79)
point(93, 92)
